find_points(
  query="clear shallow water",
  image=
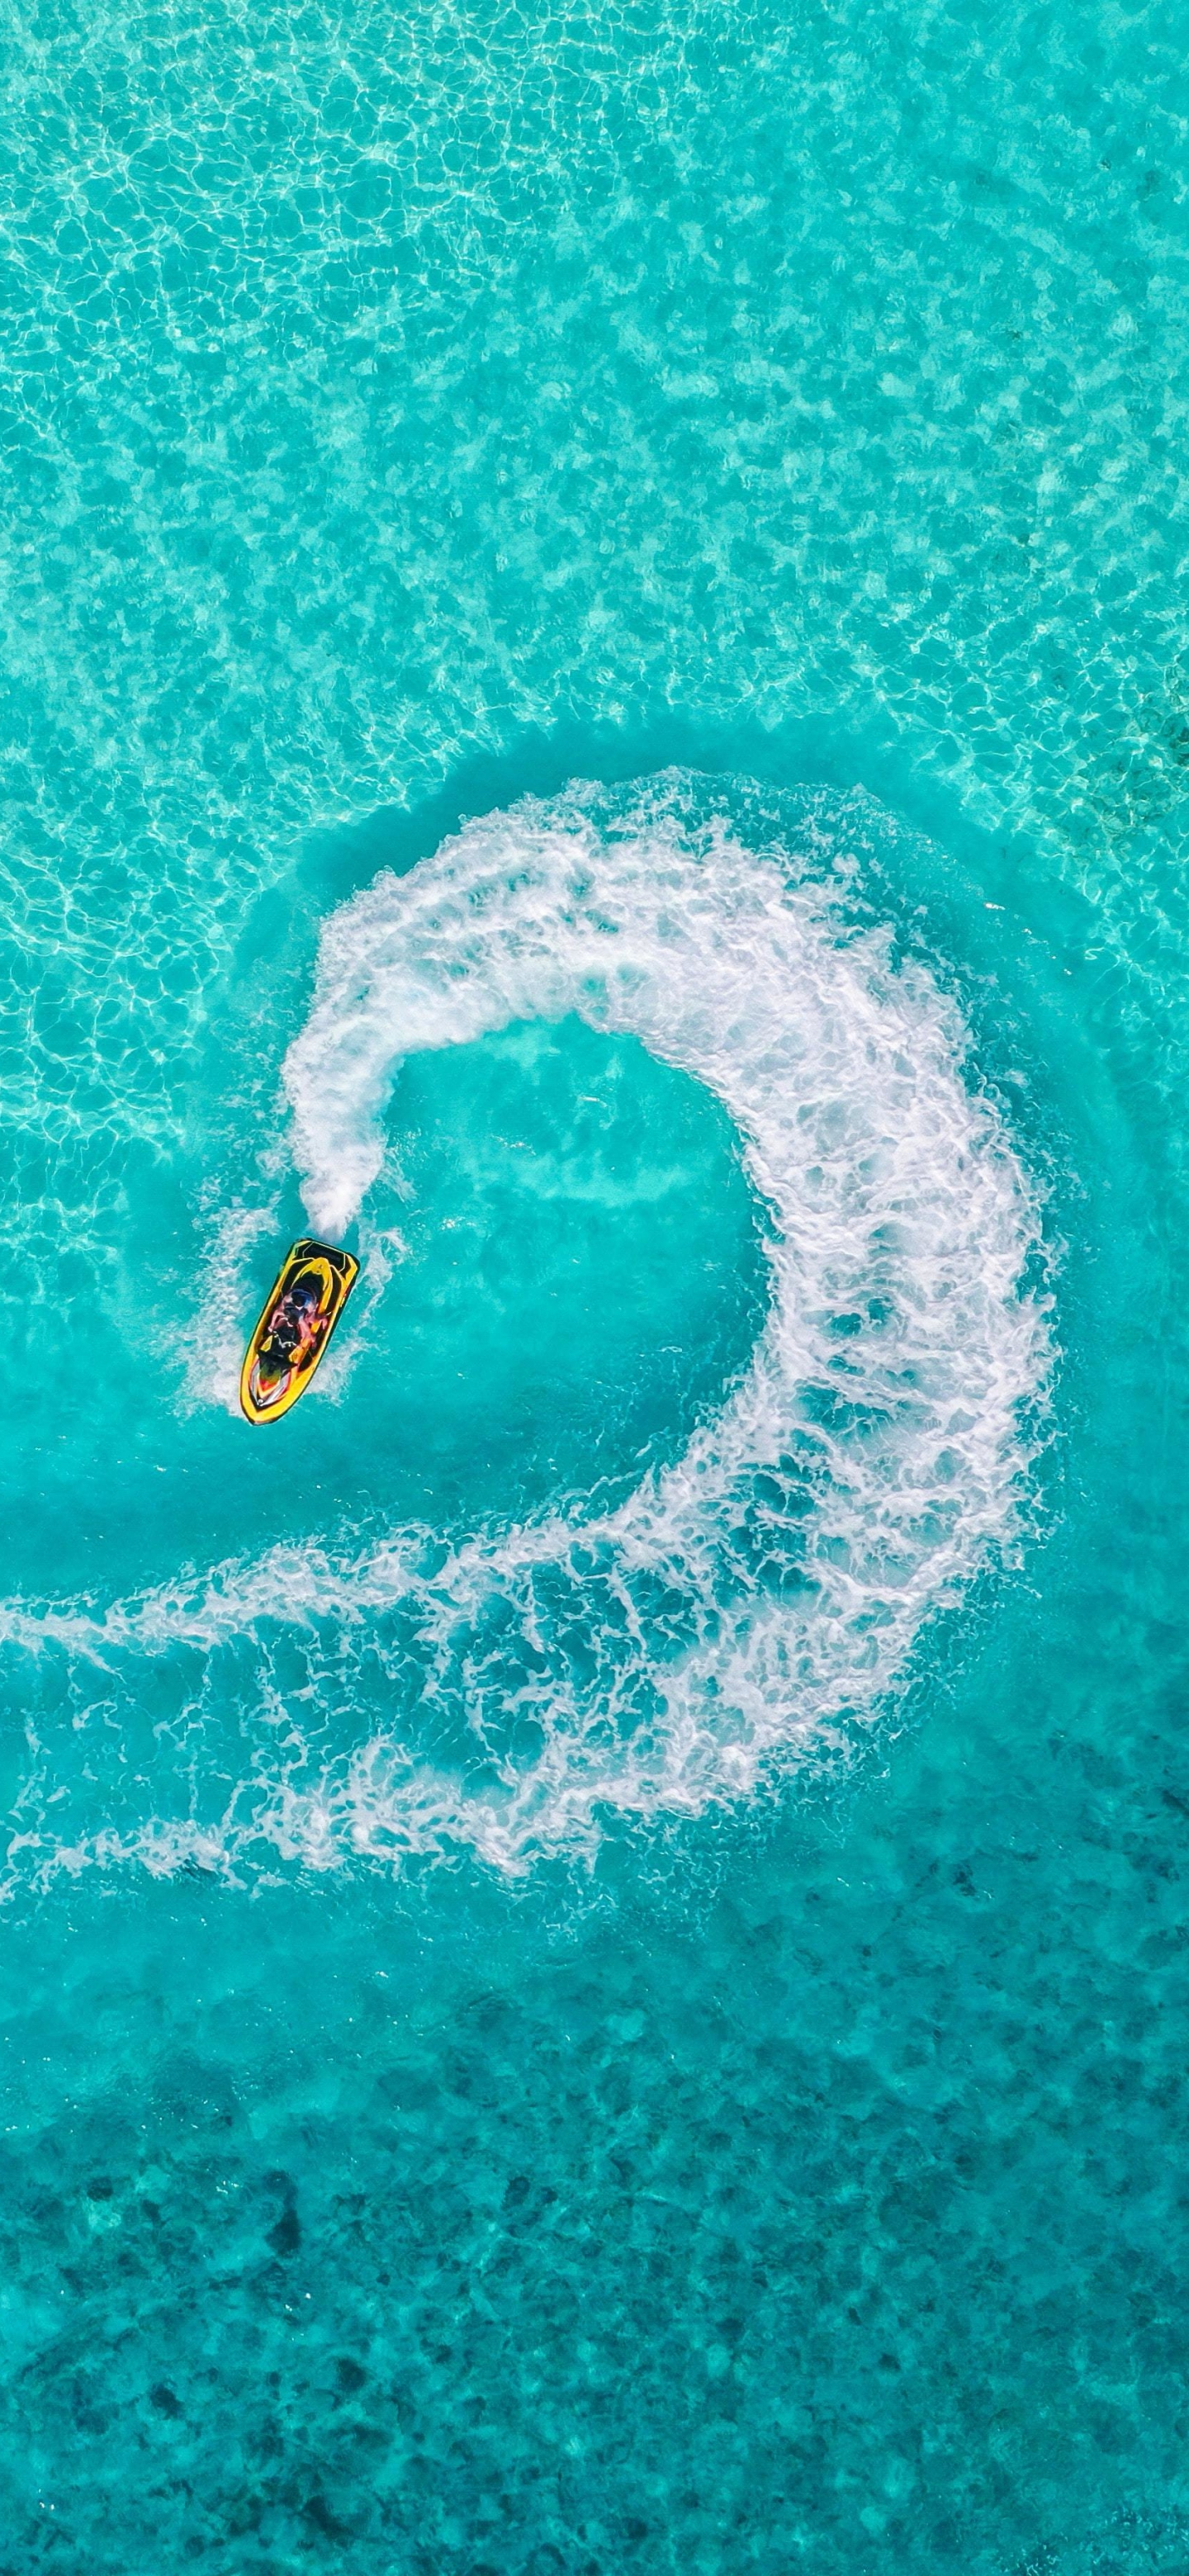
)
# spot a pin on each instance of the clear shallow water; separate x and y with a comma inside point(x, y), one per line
point(593, 1958)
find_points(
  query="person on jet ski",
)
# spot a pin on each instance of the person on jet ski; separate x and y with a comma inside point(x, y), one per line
point(294, 1325)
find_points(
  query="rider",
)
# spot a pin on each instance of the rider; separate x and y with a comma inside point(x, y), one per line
point(295, 1325)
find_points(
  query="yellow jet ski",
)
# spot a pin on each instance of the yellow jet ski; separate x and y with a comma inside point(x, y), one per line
point(300, 1314)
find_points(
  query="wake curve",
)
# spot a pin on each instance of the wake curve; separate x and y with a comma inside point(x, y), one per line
point(769, 1583)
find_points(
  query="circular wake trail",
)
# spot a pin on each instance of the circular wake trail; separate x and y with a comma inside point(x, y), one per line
point(765, 1588)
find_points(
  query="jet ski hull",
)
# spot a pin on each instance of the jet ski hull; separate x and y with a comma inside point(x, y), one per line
point(316, 1281)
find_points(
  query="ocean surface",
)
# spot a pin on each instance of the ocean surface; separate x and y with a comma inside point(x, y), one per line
point(593, 1945)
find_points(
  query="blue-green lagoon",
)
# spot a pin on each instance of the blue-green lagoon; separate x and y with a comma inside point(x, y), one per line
point(596, 705)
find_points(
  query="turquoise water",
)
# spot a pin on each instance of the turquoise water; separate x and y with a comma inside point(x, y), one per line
point(597, 702)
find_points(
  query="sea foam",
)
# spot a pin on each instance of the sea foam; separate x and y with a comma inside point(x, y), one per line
point(765, 1589)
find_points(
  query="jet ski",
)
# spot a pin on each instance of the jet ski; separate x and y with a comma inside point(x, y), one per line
point(298, 1318)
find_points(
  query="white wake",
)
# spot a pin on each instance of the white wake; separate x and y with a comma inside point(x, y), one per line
point(770, 1584)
